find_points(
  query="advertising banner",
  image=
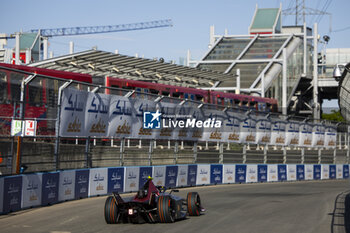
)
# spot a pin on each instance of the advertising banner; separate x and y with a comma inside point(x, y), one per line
point(203, 174)
point(141, 106)
point(1, 194)
point(184, 112)
point(229, 173)
point(81, 183)
point(318, 132)
point(332, 171)
point(317, 171)
point(309, 171)
point(159, 175)
point(145, 172)
point(115, 180)
point(232, 129)
point(305, 135)
point(330, 137)
point(339, 171)
point(73, 107)
point(248, 131)
point(346, 171)
point(182, 175)
point(66, 185)
point(120, 117)
point(263, 131)
point(282, 172)
point(278, 133)
point(31, 190)
point(97, 114)
point(50, 188)
point(291, 172)
point(196, 134)
point(325, 172)
point(252, 173)
point(132, 179)
point(300, 172)
point(216, 174)
point(272, 173)
point(192, 175)
point(292, 134)
point(262, 173)
point(98, 181)
point(167, 130)
point(12, 193)
point(29, 128)
point(214, 134)
point(171, 176)
point(241, 171)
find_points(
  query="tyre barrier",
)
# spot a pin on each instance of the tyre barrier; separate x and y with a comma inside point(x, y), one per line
point(41, 189)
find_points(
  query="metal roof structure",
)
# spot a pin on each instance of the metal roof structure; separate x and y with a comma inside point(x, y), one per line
point(101, 63)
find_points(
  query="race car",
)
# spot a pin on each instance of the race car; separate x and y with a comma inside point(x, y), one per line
point(151, 204)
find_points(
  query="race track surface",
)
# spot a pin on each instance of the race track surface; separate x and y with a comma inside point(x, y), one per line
point(295, 207)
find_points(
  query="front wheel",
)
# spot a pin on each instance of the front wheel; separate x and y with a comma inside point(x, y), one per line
point(111, 211)
point(165, 209)
point(193, 204)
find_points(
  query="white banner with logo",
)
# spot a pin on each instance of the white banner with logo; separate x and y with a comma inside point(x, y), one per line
point(66, 187)
point(229, 172)
point(132, 175)
point(196, 134)
point(182, 175)
point(31, 190)
point(98, 180)
point(213, 132)
point(272, 173)
point(309, 171)
point(325, 171)
point(318, 135)
point(248, 130)
point(140, 107)
point(305, 135)
point(159, 175)
point(292, 134)
point(97, 114)
point(169, 121)
point(330, 137)
point(120, 117)
point(263, 131)
point(339, 171)
point(252, 173)
point(232, 128)
point(291, 172)
point(203, 174)
point(278, 133)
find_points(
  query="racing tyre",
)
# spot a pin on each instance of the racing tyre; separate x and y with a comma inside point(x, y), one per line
point(111, 211)
point(165, 209)
point(193, 204)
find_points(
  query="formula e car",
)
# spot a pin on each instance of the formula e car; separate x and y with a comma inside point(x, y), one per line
point(151, 204)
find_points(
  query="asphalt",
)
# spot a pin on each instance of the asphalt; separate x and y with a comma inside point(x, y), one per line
point(295, 207)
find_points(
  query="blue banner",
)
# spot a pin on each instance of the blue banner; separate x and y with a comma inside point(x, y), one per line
point(241, 171)
point(115, 180)
point(317, 172)
point(192, 175)
point(171, 176)
point(332, 171)
point(346, 171)
point(216, 174)
point(282, 172)
point(50, 188)
point(81, 183)
point(145, 172)
point(12, 193)
point(300, 172)
point(262, 173)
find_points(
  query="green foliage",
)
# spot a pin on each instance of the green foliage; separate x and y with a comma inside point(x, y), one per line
point(334, 116)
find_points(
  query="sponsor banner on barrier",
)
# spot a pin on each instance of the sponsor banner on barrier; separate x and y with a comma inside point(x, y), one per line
point(272, 172)
point(309, 171)
point(1, 194)
point(231, 129)
point(141, 106)
point(248, 131)
point(330, 137)
point(346, 171)
point(66, 185)
point(339, 171)
point(318, 132)
point(120, 117)
point(216, 174)
point(81, 183)
point(192, 175)
point(31, 190)
point(305, 135)
point(168, 111)
point(98, 181)
point(229, 172)
point(317, 171)
point(300, 172)
point(291, 172)
point(325, 171)
point(241, 171)
point(50, 188)
point(278, 133)
point(183, 112)
point(182, 175)
point(73, 106)
point(262, 173)
point(292, 133)
point(145, 173)
point(12, 193)
point(214, 134)
point(159, 175)
point(203, 174)
point(171, 176)
point(132, 179)
point(252, 173)
point(263, 131)
point(196, 134)
point(97, 114)
point(115, 179)
point(282, 172)
point(332, 171)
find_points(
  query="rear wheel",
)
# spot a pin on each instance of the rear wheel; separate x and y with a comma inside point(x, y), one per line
point(111, 211)
point(193, 204)
point(165, 209)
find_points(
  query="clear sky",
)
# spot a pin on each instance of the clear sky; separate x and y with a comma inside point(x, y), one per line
point(191, 19)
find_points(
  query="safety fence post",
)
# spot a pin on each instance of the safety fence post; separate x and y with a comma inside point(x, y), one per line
point(121, 154)
point(319, 156)
point(195, 150)
point(265, 154)
point(87, 153)
point(284, 155)
point(150, 151)
point(302, 155)
point(176, 152)
point(244, 154)
point(221, 152)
